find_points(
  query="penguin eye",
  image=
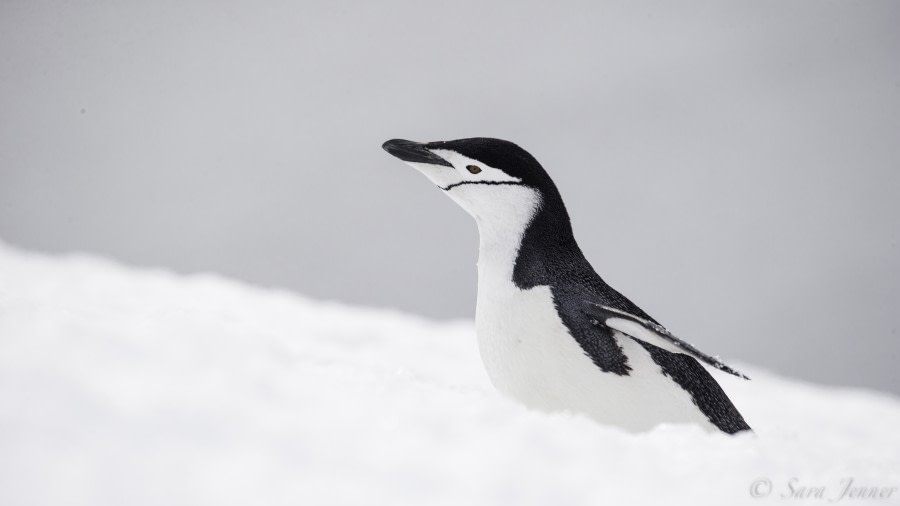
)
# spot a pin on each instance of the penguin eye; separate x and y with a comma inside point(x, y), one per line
point(474, 169)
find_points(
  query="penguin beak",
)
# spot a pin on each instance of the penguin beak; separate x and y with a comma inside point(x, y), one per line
point(415, 152)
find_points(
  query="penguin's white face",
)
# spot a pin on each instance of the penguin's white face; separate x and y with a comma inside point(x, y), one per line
point(495, 181)
point(487, 193)
point(463, 170)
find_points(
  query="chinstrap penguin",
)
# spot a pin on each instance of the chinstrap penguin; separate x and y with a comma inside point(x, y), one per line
point(551, 332)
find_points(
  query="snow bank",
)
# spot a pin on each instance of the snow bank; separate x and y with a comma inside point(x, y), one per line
point(128, 387)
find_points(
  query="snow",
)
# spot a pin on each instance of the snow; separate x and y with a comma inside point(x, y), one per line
point(125, 386)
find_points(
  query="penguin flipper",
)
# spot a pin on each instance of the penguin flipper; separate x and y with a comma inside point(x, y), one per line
point(708, 395)
point(643, 330)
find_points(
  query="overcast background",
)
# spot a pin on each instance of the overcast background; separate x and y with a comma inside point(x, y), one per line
point(731, 167)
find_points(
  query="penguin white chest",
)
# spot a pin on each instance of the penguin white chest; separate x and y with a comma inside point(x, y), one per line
point(526, 349)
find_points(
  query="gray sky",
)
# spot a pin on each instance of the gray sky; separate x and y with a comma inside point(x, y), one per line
point(730, 166)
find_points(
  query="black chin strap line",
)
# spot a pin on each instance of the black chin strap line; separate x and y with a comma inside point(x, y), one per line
point(454, 185)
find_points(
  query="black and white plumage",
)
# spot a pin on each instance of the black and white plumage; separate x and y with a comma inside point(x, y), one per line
point(551, 332)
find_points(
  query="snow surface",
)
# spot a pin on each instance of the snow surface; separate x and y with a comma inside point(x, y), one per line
point(128, 387)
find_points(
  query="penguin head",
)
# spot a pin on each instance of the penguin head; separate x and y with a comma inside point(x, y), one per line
point(489, 178)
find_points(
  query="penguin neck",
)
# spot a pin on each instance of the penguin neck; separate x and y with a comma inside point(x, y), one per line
point(519, 241)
